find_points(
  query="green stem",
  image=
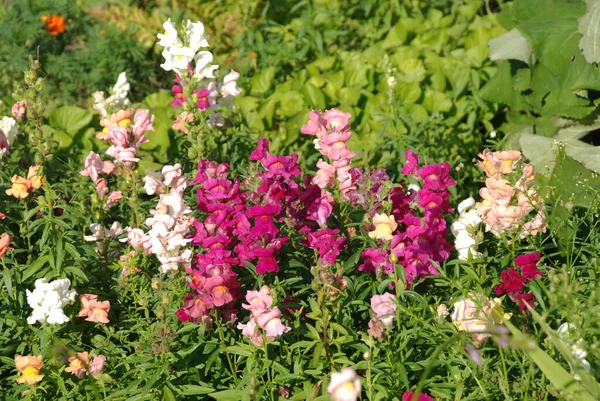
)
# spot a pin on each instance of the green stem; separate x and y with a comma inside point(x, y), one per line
point(369, 372)
point(502, 359)
point(268, 365)
point(224, 346)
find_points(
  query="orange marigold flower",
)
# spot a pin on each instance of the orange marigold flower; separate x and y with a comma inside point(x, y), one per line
point(30, 367)
point(55, 24)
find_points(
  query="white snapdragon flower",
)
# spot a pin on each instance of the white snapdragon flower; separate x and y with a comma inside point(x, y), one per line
point(48, 301)
point(169, 37)
point(566, 333)
point(99, 232)
point(203, 67)
point(119, 99)
point(463, 229)
point(194, 35)
point(229, 87)
point(414, 187)
point(100, 103)
point(8, 125)
point(114, 230)
point(177, 58)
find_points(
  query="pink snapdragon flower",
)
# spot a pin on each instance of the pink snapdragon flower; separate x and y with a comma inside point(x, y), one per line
point(410, 396)
point(97, 366)
point(269, 320)
point(258, 301)
point(114, 198)
point(384, 307)
point(93, 166)
point(19, 110)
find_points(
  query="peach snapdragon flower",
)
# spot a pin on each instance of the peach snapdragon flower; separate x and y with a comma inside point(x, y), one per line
point(35, 180)
point(30, 367)
point(4, 242)
point(79, 364)
point(509, 199)
point(22, 186)
point(93, 310)
point(384, 227)
point(477, 315)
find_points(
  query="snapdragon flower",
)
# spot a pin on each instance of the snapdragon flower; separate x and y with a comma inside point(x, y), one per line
point(117, 100)
point(48, 301)
point(344, 385)
point(464, 230)
point(8, 133)
point(566, 332)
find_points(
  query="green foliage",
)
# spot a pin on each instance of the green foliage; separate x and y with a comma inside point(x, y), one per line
point(546, 77)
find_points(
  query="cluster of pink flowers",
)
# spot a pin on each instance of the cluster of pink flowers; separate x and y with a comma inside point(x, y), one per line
point(169, 224)
point(124, 135)
point(513, 281)
point(510, 195)
point(213, 281)
point(240, 227)
point(332, 131)
point(263, 317)
point(417, 243)
point(94, 166)
point(384, 306)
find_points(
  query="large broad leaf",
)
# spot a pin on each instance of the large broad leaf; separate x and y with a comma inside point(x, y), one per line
point(70, 119)
point(160, 99)
point(511, 46)
point(538, 149)
point(589, 27)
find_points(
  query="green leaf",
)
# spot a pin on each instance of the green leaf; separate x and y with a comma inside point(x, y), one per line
point(262, 82)
point(511, 46)
point(228, 395)
point(35, 267)
point(315, 98)
point(158, 100)
point(396, 36)
point(192, 389)
point(7, 279)
point(70, 119)
point(411, 70)
point(588, 27)
point(436, 101)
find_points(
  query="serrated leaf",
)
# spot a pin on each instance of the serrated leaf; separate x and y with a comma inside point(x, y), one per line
point(589, 27)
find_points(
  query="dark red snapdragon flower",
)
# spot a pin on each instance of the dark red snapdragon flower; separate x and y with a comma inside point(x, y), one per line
point(514, 282)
